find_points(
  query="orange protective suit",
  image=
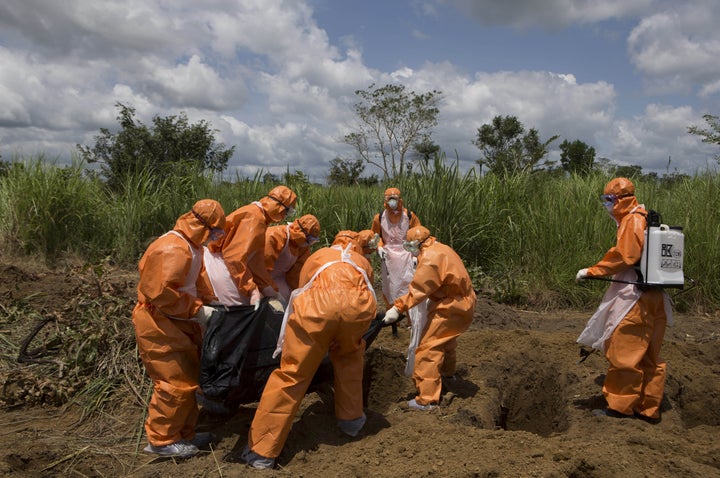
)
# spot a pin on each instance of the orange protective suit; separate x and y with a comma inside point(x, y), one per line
point(392, 225)
point(330, 312)
point(171, 291)
point(287, 247)
point(441, 277)
point(244, 245)
point(635, 380)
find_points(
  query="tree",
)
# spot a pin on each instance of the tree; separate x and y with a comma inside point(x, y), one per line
point(369, 181)
point(709, 135)
point(390, 122)
point(426, 151)
point(295, 179)
point(507, 149)
point(577, 157)
point(627, 171)
point(270, 178)
point(345, 172)
point(171, 144)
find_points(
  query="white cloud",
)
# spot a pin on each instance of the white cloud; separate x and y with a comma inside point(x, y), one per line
point(287, 40)
point(709, 89)
point(12, 111)
point(548, 13)
point(420, 35)
point(298, 100)
point(678, 49)
point(656, 136)
point(194, 84)
point(402, 75)
point(551, 103)
point(275, 148)
point(556, 103)
point(88, 29)
point(15, 83)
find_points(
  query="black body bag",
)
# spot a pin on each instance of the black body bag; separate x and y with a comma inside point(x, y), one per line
point(237, 350)
point(238, 345)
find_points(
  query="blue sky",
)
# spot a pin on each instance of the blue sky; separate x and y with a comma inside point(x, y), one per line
point(277, 78)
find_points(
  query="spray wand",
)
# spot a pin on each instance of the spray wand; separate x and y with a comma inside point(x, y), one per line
point(693, 283)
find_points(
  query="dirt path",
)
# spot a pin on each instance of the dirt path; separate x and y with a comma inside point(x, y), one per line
point(519, 406)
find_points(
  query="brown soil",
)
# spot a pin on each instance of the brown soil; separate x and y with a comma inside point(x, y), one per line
point(519, 406)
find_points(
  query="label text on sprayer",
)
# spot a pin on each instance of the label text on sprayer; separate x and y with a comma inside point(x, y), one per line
point(670, 259)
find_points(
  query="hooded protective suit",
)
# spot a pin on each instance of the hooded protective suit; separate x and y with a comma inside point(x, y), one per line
point(171, 291)
point(441, 277)
point(330, 311)
point(397, 264)
point(634, 318)
point(287, 247)
point(244, 245)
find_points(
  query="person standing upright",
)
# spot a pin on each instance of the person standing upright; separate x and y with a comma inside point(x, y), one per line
point(397, 265)
point(629, 326)
point(169, 320)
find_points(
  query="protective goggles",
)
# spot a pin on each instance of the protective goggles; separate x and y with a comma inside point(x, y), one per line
point(215, 232)
point(309, 238)
point(611, 199)
point(288, 210)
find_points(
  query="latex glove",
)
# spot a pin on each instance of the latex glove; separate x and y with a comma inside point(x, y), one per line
point(582, 274)
point(255, 297)
point(203, 315)
point(391, 316)
point(276, 305)
point(381, 253)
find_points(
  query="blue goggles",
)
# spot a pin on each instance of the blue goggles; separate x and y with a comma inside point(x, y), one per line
point(611, 199)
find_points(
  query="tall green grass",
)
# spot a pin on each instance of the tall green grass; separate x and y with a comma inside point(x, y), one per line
point(48, 210)
point(449, 204)
point(523, 238)
point(695, 205)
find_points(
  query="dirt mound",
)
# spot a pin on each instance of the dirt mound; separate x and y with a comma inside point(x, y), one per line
point(519, 405)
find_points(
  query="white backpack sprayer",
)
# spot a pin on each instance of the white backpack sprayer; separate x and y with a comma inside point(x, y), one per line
point(661, 264)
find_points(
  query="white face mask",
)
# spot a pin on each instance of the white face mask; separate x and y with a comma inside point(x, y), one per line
point(393, 204)
point(609, 208)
